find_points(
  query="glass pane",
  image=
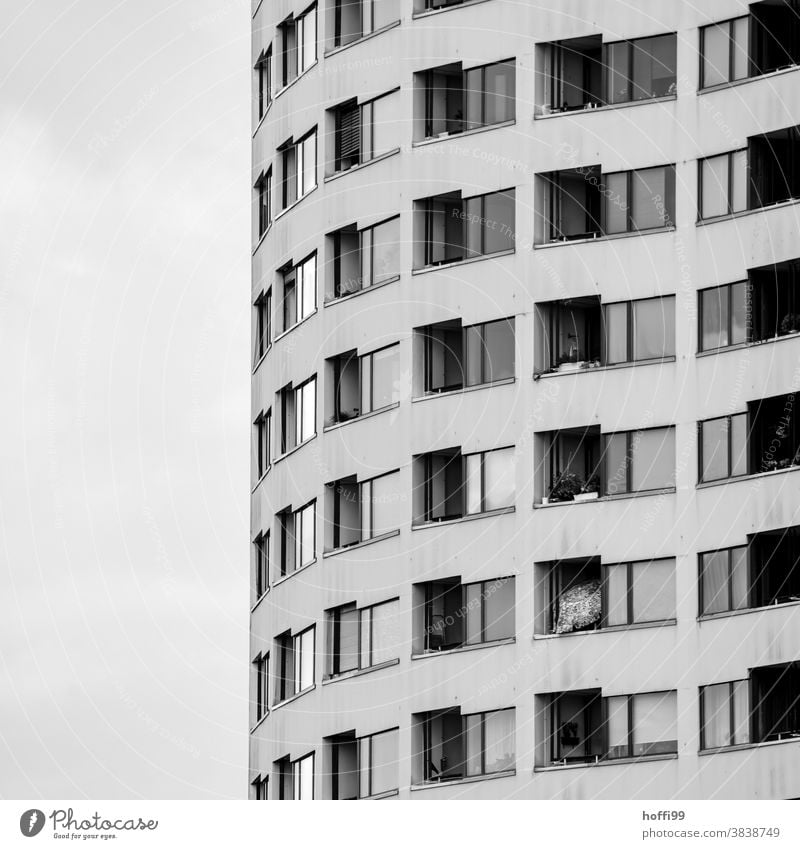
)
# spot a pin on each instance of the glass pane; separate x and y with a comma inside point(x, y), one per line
point(616, 462)
point(714, 306)
point(385, 632)
point(739, 444)
point(739, 166)
point(309, 164)
point(740, 29)
point(384, 12)
point(739, 578)
point(499, 350)
point(306, 659)
point(386, 251)
point(384, 127)
point(363, 767)
point(716, 54)
point(307, 274)
point(655, 723)
point(385, 501)
point(498, 605)
point(365, 257)
point(716, 716)
point(499, 226)
point(385, 366)
point(653, 459)
point(499, 471)
point(473, 97)
point(618, 72)
point(347, 657)
point(473, 734)
point(617, 726)
point(616, 202)
point(385, 754)
point(500, 84)
point(500, 744)
point(741, 712)
point(739, 312)
point(715, 581)
point(309, 47)
point(473, 343)
point(715, 449)
point(649, 192)
point(473, 611)
point(366, 638)
point(616, 594)
point(309, 408)
point(653, 590)
point(473, 472)
point(365, 509)
point(653, 328)
point(714, 186)
point(654, 61)
point(366, 383)
point(306, 778)
point(307, 535)
point(616, 330)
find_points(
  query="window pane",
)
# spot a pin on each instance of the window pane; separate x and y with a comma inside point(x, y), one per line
point(714, 186)
point(474, 742)
point(739, 444)
point(714, 306)
point(366, 383)
point(307, 274)
point(500, 83)
point(653, 590)
point(649, 193)
point(739, 579)
point(473, 98)
point(306, 778)
point(618, 72)
point(616, 461)
point(309, 46)
point(306, 678)
point(716, 716)
point(739, 312)
point(385, 501)
point(653, 328)
point(473, 604)
point(347, 657)
point(309, 410)
point(616, 594)
point(499, 228)
point(307, 532)
point(498, 607)
point(740, 29)
point(366, 638)
point(654, 66)
point(385, 754)
point(617, 726)
point(716, 54)
point(653, 459)
point(715, 581)
point(616, 202)
point(473, 472)
point(386, 251)
point(715, 449)
point(655, 723)
point(385, 632)
point(309, 164)
point(739, 166)
point(385, 366)
point(499, 469)
point(384, 127)
point(500, 745)
point(384, 12)
point(473, 343)
point(499, 350)
point(616, 330)
point(741, 712)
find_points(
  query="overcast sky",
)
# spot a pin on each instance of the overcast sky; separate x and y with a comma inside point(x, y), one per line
point(124, 325)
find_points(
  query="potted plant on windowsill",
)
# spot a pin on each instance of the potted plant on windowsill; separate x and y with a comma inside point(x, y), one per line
point(589, 491)
point(566, 487)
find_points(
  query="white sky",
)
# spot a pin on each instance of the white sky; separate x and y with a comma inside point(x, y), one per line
point(124, 332)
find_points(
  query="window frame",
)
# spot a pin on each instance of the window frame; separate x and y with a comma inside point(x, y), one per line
point(629, 461)
point(668, 201)
point(483, 493)
point(702, 580)
point(630, 611)
point(369, 768)
point(262, 564)
point(729, 447)
point(261, 667)
point(264, 325)
point(730, 188)
point(729, 299)
point(263, 187)
point(632, 44)
point(362, 358)
point(732, 720)
point(263, 68)
point(729, 78)
point(630, 352)
point(334, 618)
point(263, 439)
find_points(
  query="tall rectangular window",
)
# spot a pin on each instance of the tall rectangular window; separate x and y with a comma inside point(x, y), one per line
point(637, 592)
point(723, 447)
point(298, 44)
point(489, 351)
point(299, 292)
point(639, 330)
point(639, 200)
point(725, 714)
point(264, 199)
point(303, 778)
point(377, 498)
point(724, 580)
point(263, 329)
point(489, 478)
point(261, 555)
point(379, 378)
point(362, 638)
point(263, 442)
point(261, 669)
point(298, 538)
point(264, 77)
point(378, 757)
point(295, 671)
point(638, 461)
point(305, 410)
point(261, 788)
point(299, 161)
point(724, 51)
point(364, 131)
point(723, 184)
point(725, 315)
point(367, 257)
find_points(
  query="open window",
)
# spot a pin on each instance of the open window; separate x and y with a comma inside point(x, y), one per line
point(297, 538)
point(298, 413)
point(364, 767)
point(364, 257)
point(363, 383)
point(360, 638)
point(295, 663)
point(364, 130)
point(295, 778)
point(298, 168)
point(355, 19)
point(361, 510)
point(298, 44)
point(263, 189)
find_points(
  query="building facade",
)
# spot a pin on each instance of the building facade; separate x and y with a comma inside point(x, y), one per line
point(525, 488)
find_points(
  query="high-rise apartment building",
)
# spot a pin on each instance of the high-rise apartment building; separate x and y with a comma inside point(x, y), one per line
point(526, 476)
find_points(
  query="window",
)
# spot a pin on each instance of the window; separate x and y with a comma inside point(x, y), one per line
point(724, 581)
point(723, 184)
point(260, 788)
point(261, 552)
point(362, 638)
point(364, 131)
point(574, 73)
point(298, 414)
point(639, 330)
point(264, 197)
point(724, 714)
point(723, 447)
point(299, 292)
point(295, 663)
point(365, 384)
point(298, 538)
point(367, 257)
point(364, 767)
point(264, 82)
point(454, 485)
point(641, 68)
point(724, 49)
point(457, 614)
point(354, 19)
point(457, 746)
point(774, 434)
point(261, 668)
point(263, 328)
point(456, 357)
point(263, 440)
point(298, 44)
point(299, 163)
point(456, 228)
point(457, 100)
point(362, 510)
point(296, 778)
point(638, 461)
point(724, 316)
point(640, 200)
point(641, 725)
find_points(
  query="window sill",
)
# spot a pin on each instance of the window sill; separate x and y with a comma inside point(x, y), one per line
point(417, 526)
point(297, 79)
point(740, 346)
point(470, 779)
point(337, 425)
point(426, 13)
point(613, 629)
point(357, 673)
point(259, 723)
point(604, 238)
point(294, 450)
point(615, 762)
point(361, 544)
point(457, 136)
point(284, 578)
point(754, 476)
point(261, 239)
point(294, 204)
point(427, 269)
point(262, 119)
point(727, 614)
point(261, 358)
point(620, 497)
point(293, 698)
point(294, 326)
point(704, 222)
point(734, 83)
point(614, 366)
point(259, 600)
point(329, 302)
point(334, 50)
point(386, 795)
point(506, 641)
point(258, 483)
point(608, 107)
point(431, 395)
point(361, 166)
point(744, 746)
